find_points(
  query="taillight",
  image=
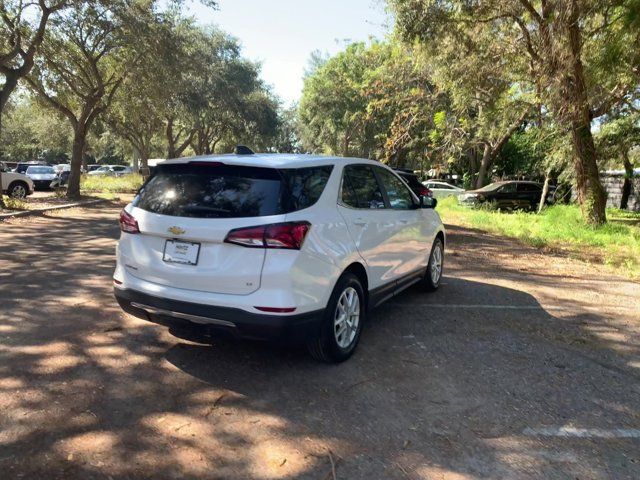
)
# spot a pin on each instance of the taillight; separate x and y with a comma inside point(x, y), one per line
point(425, 192)
point(128, 223)
point(289, 235)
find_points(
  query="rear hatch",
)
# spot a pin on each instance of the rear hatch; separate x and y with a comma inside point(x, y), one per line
point(191, 208)
point(186, 210)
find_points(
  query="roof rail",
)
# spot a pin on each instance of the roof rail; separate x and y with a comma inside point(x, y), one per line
point(243, 150)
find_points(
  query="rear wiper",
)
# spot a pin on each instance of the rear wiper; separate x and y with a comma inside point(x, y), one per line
point(202, 209)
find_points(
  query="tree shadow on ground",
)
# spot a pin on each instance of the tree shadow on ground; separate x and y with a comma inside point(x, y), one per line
point(87, 392)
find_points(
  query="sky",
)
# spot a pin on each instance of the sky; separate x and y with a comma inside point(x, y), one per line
point(282, 34)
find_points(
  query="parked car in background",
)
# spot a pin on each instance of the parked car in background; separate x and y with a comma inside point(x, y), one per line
point(61, 180)
point(41, 175)
point(91, 168)
point(442, 189)
point(62, 167)
point(411, 179)
point(112, 170)
point(15, 185)
point(508, 195)
point(22, 166)
point(292, 247)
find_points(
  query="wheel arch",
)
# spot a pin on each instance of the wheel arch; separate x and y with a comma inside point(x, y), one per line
point(17, 182)
point(357, 269)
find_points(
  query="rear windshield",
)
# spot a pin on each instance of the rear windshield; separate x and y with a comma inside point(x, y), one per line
point(229, 191)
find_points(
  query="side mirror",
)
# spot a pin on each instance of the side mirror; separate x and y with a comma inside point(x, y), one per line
point(428, 202)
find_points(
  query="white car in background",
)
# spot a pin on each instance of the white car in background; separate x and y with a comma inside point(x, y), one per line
point(293, 247)
point(62, 167)
point(13, 184)
point(442, 189)
point(111, 170)
point(41, 175)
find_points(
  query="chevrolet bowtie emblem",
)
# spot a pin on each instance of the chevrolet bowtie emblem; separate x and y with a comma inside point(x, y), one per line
point(176, 230)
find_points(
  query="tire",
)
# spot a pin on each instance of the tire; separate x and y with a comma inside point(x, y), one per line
point(330, 346)
point(433, 275)
point(18, 190)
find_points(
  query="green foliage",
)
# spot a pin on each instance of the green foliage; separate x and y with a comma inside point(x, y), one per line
point(558, 226)
point(12, 203)
point(104, 184)
point(32, 132)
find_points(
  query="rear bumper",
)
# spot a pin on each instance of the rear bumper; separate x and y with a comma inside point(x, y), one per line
point(216, 319)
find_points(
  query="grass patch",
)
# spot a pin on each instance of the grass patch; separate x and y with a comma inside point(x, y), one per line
point(102, 184)
point(14, 203)
point(560, 226)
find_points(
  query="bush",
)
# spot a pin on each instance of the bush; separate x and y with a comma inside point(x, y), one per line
point(14, 203)
point(104, 184)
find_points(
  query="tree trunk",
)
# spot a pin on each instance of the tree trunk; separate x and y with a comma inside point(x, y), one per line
point(1, 190)
point(171, 146)
point(591, 194)
point(545, 190)
point(626, 186)
point(79, 142)
point(136, 160)
point(484, 166)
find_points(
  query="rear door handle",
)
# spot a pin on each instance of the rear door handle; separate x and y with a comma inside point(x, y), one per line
point(360, 222)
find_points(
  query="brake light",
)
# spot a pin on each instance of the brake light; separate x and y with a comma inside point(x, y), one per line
point(425, 192)
point(289, 235)
point(128, 223)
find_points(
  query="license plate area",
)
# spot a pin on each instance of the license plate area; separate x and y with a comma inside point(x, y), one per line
point(178, 251)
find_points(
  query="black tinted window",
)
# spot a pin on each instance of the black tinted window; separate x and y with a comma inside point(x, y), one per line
point(507, 188)
point(303, 186)
point(400, 197)
point(360, 188)
point(528, 187)
point(411, 180)
point(226, 191)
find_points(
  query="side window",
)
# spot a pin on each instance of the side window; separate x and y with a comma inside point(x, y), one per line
point(303, 186)
point(360, 188)
point(508, 188)
point(528, 187)
point(400, 197)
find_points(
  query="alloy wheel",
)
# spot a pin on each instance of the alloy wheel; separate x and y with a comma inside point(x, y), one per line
point(347, 317)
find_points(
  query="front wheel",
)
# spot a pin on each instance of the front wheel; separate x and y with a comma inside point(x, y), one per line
point(342, 322)
point(18, 190)
point(432, 277)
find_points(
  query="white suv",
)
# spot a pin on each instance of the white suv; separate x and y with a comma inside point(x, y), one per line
point(13, 184)
point(275, 247)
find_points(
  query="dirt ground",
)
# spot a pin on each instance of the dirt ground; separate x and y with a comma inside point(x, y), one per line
point(522, 365)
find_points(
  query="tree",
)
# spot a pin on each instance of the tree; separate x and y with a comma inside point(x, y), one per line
point(332, 110)
point(21, 32)
point(31, 131)
point(83, 61)
point(22, 28)
point(579, 51)
point(138, 110)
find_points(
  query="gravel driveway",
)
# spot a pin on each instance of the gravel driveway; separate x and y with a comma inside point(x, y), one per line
point(522, 365)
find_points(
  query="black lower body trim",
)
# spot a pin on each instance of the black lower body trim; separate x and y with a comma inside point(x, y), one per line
point(213, 319)
point(388, 290)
